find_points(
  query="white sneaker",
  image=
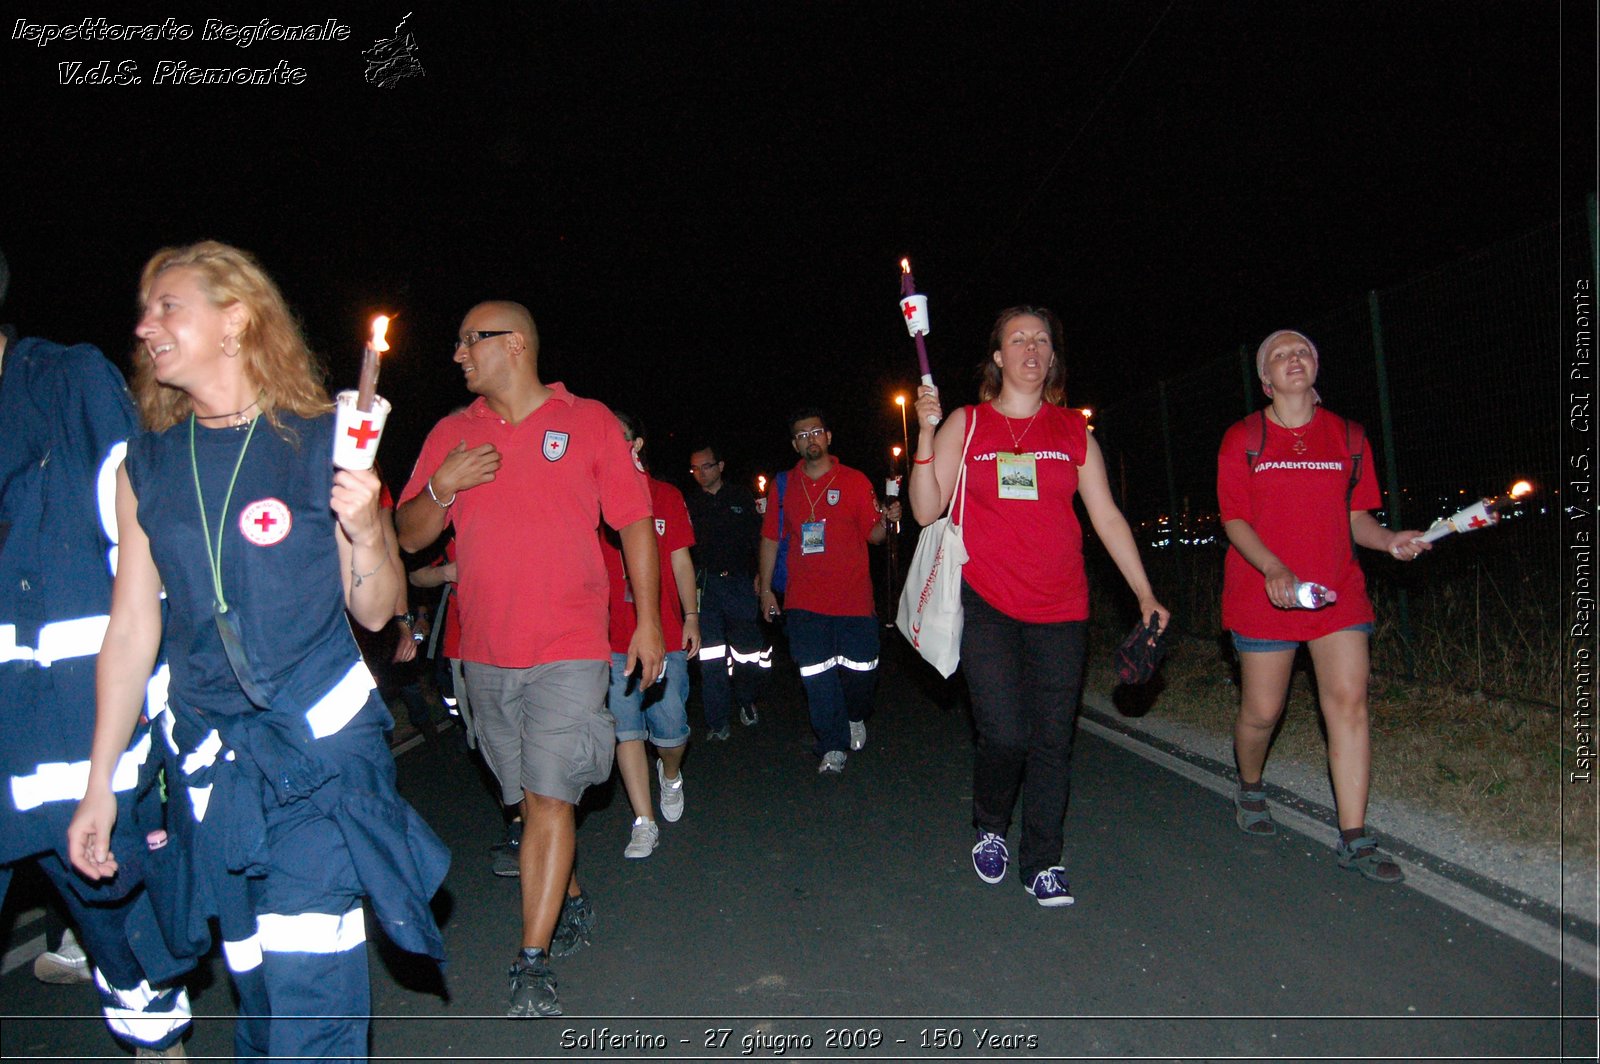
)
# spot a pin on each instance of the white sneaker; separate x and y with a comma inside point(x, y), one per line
point(644, 839)
point(832, 763)
point(858, 734)
point(671, 793)
point(69, 964)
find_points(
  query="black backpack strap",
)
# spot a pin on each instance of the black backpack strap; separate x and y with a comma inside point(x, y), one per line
point(1355, 442)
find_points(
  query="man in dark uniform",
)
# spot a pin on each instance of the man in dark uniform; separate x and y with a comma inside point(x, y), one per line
point(727, 530)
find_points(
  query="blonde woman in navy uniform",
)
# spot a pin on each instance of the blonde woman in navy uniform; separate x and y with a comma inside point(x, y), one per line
point(282, 784)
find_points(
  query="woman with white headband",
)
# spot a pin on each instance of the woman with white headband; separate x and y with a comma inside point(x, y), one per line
point(1296, 484)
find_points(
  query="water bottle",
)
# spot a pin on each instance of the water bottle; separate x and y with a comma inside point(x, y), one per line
point(1312, 596)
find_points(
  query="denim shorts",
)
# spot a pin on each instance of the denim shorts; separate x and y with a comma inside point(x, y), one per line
point(1245, 644)
point(659, 713)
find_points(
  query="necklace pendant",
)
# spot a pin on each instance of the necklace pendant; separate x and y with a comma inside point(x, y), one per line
point(1299, 446)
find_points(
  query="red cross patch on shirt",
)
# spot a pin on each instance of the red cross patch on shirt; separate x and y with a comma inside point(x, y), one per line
point(265, 522)
point(555, 445)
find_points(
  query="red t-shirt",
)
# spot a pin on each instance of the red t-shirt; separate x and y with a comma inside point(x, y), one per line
point(532, 583)
point(1296, 504)
point(1025, 555)
point(673, 532)
point(834, 580)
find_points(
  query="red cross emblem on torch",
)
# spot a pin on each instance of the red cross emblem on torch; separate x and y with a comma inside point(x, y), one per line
point(1478, 522)
point(363, 434)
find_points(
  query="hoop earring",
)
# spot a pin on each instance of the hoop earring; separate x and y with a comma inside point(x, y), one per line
point(235, 352)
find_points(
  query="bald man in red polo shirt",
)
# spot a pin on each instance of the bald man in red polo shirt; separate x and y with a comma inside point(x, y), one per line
point(526, 474)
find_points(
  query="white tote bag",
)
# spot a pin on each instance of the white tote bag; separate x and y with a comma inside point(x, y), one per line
point(930, 602)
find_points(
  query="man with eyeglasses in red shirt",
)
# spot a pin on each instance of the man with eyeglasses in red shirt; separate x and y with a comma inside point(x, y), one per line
point(830, 514)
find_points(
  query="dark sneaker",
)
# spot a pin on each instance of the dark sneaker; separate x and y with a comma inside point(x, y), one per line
point(748, 715)
point(575, 929)
point(1364, 856)
point(533, 987)
point(508, 854)
point(1050, 888)
point(832, 763)
point(990, 857)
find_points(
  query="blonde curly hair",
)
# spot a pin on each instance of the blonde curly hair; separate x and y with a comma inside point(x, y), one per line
point(272, 347)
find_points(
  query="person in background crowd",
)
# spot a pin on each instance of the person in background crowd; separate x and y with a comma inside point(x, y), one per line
point(831, 514)
point(659, 714)
point(727, 532)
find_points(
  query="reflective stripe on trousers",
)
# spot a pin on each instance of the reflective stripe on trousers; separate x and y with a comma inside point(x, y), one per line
point(824, 666)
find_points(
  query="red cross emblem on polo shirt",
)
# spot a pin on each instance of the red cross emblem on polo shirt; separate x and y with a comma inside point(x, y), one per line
point(363, 434)
point(265, 521)
point(1478, 522)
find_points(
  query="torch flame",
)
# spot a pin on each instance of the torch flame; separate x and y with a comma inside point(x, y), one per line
point(1520, 488)
point(380, 329)
point(905, 265)
point(761, 483)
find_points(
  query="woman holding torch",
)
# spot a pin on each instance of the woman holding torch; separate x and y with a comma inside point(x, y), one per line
point(1024, 593)
point(1295, 485)
point(283, 812)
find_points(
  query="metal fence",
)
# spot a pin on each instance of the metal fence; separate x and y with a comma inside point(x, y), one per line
point(1455, 375)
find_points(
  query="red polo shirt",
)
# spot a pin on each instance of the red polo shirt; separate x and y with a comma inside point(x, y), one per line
point(532, 585)
point(835, 581)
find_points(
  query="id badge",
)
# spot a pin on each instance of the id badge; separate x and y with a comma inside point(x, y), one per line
point(227, 622)
point(1019, 476)
point(811, 538)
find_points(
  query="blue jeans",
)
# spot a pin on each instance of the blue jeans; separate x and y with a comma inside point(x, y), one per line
point(659, 713)
point(838, 659)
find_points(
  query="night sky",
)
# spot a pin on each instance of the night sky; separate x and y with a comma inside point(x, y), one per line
point(704, 205)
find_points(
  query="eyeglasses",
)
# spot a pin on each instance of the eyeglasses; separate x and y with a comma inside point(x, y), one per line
point(479, 336)
point(810, 434)
point(703, 467)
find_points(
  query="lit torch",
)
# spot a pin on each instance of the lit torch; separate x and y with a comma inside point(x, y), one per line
point(1481, 514)
point(359, 415)
point(761, 494)
point(914, 310)
point(369, 363)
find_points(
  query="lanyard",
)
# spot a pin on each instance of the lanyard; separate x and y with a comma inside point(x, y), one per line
point(214, 558)
point(810, 502)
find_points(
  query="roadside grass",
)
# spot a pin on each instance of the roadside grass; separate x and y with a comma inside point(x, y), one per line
point(1475, 733)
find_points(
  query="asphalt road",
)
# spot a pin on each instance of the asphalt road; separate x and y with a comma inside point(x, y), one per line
point(800, 916)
